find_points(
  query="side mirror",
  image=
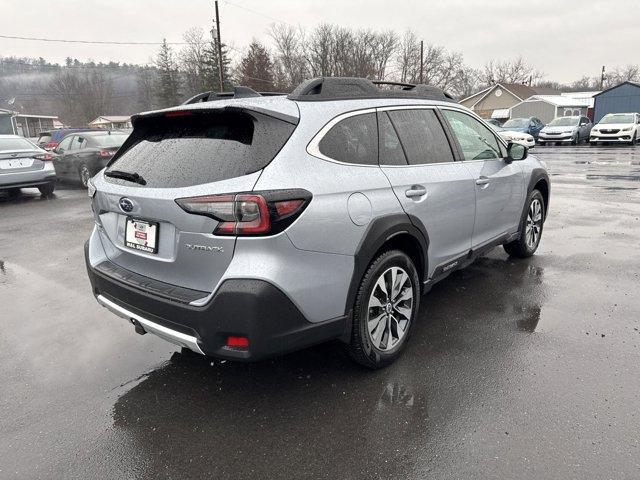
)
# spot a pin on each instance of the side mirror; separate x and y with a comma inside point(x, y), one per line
point(516, 152)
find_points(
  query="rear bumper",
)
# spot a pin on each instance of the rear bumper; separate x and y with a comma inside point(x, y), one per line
point(28, 178)
point(250, 308)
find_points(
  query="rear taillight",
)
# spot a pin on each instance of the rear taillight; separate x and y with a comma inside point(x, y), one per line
point(45, 157)
point(259, 213)
point(104, 153)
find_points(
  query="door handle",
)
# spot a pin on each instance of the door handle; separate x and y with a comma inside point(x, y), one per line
point(416, 191)
point(483, 181)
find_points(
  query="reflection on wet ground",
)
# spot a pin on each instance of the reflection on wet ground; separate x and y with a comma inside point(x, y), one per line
point(516, 369)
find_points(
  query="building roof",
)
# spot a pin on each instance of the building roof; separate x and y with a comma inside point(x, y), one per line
point(110, 119)
point(635, 84)
point(581, 94)
point(563, 101)
point(522, 92)
point(18, 114)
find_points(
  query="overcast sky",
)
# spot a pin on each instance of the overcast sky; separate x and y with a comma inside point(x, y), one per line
point(564, 39)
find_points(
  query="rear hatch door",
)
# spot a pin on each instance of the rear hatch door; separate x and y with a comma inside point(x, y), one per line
point(180, 155)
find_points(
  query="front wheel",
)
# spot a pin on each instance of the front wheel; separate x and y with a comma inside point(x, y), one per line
point(385, 309)
point(634, 140)
point(84, 174)
point(530, 228)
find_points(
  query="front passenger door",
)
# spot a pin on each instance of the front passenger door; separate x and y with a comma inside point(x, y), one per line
point(499, 184)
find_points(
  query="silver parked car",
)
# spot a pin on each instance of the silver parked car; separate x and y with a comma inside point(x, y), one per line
point(247, 226)
point(23, 164)
point(566, 130)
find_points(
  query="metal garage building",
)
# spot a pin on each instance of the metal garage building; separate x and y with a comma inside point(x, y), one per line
point(622, 98)
point(548, 107)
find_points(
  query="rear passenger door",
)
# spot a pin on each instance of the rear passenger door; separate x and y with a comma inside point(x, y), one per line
point(499, 184)
point(438, 191)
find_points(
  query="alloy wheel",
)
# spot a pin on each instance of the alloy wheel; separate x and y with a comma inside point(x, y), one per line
point(534, 224)
point(85, 175)
point(390, 308)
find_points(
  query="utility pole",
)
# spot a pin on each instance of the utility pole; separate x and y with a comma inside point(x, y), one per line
point(421, 60)
point(220, 72)
point(602, 79)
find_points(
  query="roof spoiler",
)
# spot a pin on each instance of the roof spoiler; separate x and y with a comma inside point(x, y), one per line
point(353, 88)
point(238, 92)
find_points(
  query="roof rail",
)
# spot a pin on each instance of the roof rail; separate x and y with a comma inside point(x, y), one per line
point(238, 92)
point(352, 88)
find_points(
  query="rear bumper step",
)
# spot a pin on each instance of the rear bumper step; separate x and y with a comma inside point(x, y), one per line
point(173, 336)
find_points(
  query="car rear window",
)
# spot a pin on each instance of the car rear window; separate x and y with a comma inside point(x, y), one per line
point(16, 144)
point(112, 140)
point(200, 147)
point(44, 138)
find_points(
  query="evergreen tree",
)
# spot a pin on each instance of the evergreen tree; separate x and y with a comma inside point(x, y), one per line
point(210, 65)
point(256, 69)
point(167, 85)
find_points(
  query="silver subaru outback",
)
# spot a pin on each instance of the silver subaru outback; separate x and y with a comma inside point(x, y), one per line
point(243, 226)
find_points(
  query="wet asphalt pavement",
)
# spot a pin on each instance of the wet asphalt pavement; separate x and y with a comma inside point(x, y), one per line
point(516, 369)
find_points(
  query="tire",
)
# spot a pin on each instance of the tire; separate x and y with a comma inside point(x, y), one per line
point(382, 344)
point(530, 228)
point(593, 144)
point(84, 174)
point(634, 140)
point(47, 189)
point(576, 140)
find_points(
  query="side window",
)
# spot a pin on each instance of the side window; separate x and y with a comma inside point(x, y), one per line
point(75, 142)
point(476, 140)
point(352, 140)
point(391, 152)
point(422, 136)
point(65, 144)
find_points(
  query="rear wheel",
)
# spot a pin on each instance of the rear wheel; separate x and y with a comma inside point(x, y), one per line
point(84, 174)
point(47, 188)
point(385, 309)
point(530, 228)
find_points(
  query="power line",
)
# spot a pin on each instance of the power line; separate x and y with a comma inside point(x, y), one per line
point(96, 42)
point(256, 12)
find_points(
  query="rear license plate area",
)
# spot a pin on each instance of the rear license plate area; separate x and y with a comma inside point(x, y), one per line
point(141, 235)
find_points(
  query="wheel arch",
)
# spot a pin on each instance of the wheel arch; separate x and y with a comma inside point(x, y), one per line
point(539, 180)
point(401, 231)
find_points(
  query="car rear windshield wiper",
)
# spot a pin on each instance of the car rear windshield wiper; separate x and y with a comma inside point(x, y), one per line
point(131, 177)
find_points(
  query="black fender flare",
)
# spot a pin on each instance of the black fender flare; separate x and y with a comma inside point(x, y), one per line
point(379, 232)
point(537, 174)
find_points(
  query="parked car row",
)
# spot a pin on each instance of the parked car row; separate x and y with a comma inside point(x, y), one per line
point(77, 156)
point(612, 128)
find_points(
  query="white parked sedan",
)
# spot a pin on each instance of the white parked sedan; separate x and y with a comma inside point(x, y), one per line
point(515, 137)
point(617, 128)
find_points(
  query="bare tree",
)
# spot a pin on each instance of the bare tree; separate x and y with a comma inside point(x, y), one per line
point(510, 71)
point(289, 64)
point(82, 95)
point(628, 73)
point(192, 61)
